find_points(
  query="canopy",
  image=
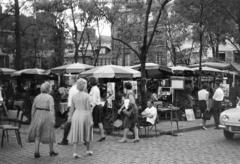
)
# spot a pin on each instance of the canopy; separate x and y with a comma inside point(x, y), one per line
point(110, 71)
point(216, 65)
point(148, 66)
point(72, 68)
point(208, 69)
point(180, 68)
point(30, 71)
point(154, 70)
point(136, 73)
point(6, 71)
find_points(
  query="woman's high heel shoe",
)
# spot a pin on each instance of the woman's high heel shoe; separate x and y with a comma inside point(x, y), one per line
point(52, 154)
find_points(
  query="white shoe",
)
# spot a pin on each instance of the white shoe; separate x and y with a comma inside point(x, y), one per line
point(76, 155)
point(89, 152)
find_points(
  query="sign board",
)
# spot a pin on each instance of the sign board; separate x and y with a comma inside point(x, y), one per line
point(177, 84)
point(189, 114)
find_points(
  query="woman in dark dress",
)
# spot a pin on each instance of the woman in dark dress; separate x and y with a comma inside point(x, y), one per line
point(130, 120)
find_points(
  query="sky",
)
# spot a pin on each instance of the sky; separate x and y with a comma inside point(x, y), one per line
point(105, 28)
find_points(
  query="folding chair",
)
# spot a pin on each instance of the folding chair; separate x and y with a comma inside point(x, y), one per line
point(149, 127)
point(11, 124)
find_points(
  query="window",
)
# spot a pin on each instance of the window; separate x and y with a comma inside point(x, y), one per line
point(237, 57)
point(221, 56)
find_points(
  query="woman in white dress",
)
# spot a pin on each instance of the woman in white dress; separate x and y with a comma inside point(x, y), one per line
point(80, 117)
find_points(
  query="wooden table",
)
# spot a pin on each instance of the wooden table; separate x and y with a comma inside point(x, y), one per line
point(173, 113)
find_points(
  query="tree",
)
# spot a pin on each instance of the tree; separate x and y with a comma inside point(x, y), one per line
point(17, 37)
point(146, 25)
point(53, 18)
point(177, 32)
point(230, 12)
point(197, 13)
point(82, 14)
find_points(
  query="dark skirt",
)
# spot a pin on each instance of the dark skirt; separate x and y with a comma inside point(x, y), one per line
point(206, 115)
point(202, 105)
point(98, 115)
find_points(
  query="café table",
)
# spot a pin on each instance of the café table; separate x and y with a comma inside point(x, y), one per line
point(173, 114)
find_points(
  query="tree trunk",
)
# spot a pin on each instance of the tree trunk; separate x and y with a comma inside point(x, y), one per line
point(35, 53)
point(143, 84)
point(18, 63)
point(83, 58)
point(76, 54)
point(217, 45)
point(174, 54)
point(200, 56)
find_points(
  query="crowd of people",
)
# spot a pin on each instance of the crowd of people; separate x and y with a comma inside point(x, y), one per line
point(85, 108)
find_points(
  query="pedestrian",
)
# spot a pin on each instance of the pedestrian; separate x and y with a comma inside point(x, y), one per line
point(203, 101)
point(72, 91)
point(42, 125)
point(218, 97)
point(130, 111)
point(97, 107)
point(149, 115)
point(80, 117)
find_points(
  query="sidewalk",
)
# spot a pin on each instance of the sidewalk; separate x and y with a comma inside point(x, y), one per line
point(164, 127)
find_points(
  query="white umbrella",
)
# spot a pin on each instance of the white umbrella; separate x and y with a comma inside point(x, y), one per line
point(135, 72)
point(180, 68)
point(109, 71)
point(6, 71)
point(148, 66)
point(30, 71)
point(208, 69)
point(71, 68)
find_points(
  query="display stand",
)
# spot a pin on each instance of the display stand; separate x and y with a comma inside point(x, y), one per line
point(176, 83)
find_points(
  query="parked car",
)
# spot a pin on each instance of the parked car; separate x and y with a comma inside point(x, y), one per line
point(230, 122)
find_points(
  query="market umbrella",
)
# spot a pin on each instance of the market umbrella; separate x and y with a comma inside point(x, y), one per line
point(208, 69)
point(108, 71)
point(71, 68)
point(6, 71)
point(30, 71)
point(136, 73)
point(217, 65)
point(181, 70)
point(154, 70)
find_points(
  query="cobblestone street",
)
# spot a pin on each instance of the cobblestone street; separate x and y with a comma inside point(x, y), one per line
point(191, 147)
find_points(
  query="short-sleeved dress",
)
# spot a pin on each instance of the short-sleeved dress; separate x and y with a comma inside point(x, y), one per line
point(42, 124)
point(131, 120)
point(81, 119)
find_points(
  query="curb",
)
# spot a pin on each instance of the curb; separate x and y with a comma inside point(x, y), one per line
point(160, 133)
point(185, 129)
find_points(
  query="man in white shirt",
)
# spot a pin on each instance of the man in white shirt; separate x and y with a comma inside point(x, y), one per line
point(97, 107)
point(150, 113)
point(72, 91)
point(217, 104)
point(203, 98)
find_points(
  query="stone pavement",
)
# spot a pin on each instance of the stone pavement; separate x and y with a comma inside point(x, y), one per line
point(195, 147)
